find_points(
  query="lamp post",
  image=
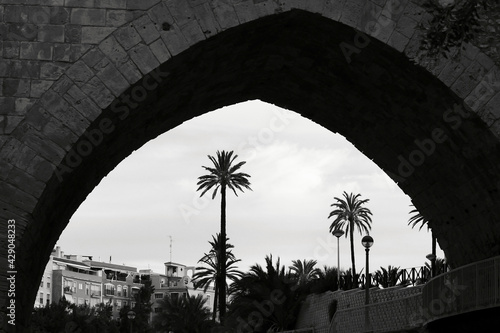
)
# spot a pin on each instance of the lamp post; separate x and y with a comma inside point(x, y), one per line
point(338, 233)
point(367, 242)
point(432, 258)
point(131, 316)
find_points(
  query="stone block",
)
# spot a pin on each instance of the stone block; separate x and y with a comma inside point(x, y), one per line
point(24, 69)
point(92, 57)
point(39, 15)
point(15, 14)
point(79, 3)
point(147, 29)
point(226, 16)
point(79, 72)
point(10, 49)
point(113, 50)
point(56, 3)
point(62, 52)
point(72, 33)
point(192, 32)
point(127, 36)
point(51, 33)
point(46, 148)
point(160, 15)
point(36, 50)
point(143, 4)
point(78, 50)
point(160, 50)
point(52, 70)
point(94, 35)
point(174, 40)
point(181, 11)
point(76, 97)
point(16, 87)
point(112, 78)
point(96, 90)
point(39, 87)
point(40, 168)
point(59, 15)
point(145, 60)
point(84, 16)
point(120, 4)
point(207, 20)
point(23, 31)
point(130, 71)
point(117, 18)
point(62, 85)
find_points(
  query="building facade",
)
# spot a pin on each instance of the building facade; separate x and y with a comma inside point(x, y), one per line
point(83, 281)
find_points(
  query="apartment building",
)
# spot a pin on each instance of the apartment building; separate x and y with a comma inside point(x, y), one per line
point(81, 280)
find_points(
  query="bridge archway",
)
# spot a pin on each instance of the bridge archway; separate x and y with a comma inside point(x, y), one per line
point(435, 132)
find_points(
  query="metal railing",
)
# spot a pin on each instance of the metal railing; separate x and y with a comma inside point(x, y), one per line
point(472, 287)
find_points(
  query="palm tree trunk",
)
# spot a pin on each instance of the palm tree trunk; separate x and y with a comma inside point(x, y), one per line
point(433, 262)
point(222, 252)
point(351, 236)
point(216, 291)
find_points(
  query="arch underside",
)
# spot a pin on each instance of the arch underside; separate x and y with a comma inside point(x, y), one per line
point(388, 107)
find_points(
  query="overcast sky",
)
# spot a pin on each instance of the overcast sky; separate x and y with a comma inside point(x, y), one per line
point(297, 168)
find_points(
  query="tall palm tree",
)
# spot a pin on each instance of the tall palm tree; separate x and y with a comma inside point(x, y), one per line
point(349, 213)
point(206, 276)
point(416, 219)
point(304, 271)
point(223, 175)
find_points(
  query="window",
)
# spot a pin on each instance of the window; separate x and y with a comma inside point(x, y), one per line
point(48, 284)
point(119, 290)
point(80, 286)
point(41, 284)
point(119, 304)
point(174, 296)
point(110, 289)
point(158, 295)
point(48, 299)
point(87, 289)
point(157, 310)
point(41, 298)
point(125, 291)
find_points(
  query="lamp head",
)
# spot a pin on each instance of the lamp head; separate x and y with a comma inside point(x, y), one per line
point(367, 241)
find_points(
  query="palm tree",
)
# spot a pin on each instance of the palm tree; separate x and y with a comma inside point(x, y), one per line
point(349, 213)
point(183, 314)
point(207, 276)
point(223, 175)
point(388, 277)
point(304, 271)
point(416, 219)
point(265, 299)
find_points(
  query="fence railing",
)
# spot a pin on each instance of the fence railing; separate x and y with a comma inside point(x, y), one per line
point(472, 287)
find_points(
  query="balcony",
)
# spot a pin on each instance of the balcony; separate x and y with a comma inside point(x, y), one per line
point(69, 290)
point(95, 294)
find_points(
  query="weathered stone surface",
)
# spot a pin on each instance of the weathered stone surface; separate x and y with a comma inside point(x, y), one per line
point(150, 65)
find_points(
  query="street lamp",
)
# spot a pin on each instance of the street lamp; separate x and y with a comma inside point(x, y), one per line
point(432, 258)
point(367, 242)
point(338, 233)
point(131, 316)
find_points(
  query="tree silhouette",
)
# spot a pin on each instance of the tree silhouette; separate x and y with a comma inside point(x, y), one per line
point(350, 213)
point(207, 275)
point(223, 175)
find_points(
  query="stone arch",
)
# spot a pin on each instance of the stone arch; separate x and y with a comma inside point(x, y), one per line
point(96, 82)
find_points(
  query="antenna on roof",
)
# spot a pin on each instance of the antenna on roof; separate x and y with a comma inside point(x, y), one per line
point(170, 248)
